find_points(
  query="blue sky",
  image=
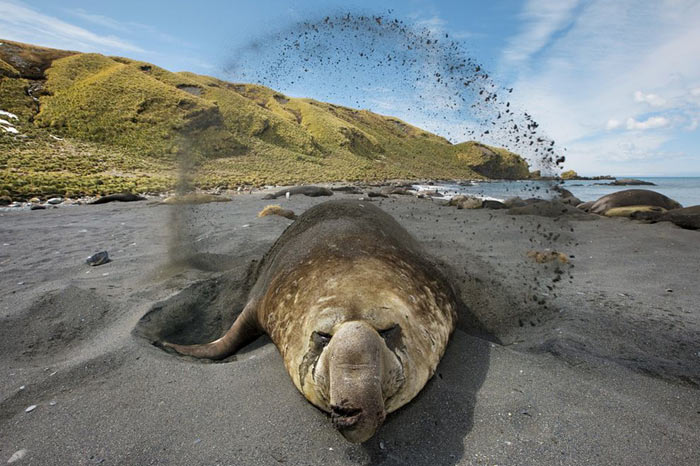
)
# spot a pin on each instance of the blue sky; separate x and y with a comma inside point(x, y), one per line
point(617, 83)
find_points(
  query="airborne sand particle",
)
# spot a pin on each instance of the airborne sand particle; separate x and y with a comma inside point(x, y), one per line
point(357, 59)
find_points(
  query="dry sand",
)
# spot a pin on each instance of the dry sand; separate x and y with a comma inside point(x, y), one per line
point(603, 368)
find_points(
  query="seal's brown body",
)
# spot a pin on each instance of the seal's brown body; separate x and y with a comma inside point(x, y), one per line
point(358, 312)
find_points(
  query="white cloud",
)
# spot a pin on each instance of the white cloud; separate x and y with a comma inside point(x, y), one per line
point(24, 24)
point(650, 123)
point(599, 67)
point(613, 124)
point(100, 20)
point(652, 99)
point(543, 19)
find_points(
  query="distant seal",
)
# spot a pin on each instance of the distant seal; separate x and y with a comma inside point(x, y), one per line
point(121, 197)
point(633, 197)
point(311, 191)
point(359, 313)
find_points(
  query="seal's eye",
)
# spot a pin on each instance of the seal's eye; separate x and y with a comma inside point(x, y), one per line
point(321, 339)
point(388, 333)
point(391, 336)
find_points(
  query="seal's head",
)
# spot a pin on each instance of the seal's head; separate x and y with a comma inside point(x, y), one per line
point(371, 334)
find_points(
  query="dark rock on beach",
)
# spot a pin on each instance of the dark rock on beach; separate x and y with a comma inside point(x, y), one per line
point(99, 258)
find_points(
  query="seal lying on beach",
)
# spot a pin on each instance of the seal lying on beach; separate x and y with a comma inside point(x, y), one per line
point(632, 197)
point(358, 312)
point(311, 191)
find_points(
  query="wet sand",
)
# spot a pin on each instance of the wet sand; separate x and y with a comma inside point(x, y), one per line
point(598, 363)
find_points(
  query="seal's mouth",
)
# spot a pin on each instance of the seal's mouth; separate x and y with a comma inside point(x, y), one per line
point(344, 418)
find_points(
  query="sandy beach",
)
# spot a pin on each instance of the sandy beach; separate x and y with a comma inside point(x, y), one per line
point(595, 361)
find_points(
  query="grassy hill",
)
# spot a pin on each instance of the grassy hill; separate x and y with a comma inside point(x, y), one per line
point(89, 124)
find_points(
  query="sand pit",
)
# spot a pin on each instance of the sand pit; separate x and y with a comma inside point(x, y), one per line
point(591, 362)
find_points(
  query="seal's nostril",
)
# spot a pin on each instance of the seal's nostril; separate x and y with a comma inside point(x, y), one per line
point(344, 417)
point(343, 411)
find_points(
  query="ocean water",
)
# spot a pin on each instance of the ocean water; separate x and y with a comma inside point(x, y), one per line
point(685, 190)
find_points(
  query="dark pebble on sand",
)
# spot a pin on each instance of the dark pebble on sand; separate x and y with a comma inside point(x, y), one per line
point(98, 258)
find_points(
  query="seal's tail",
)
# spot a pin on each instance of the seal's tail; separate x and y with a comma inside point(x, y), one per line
point(244, 330)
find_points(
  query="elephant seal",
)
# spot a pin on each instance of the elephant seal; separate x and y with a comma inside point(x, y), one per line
point(633, 197)
point(121, 197)
point(311, 191)
point(359, 313)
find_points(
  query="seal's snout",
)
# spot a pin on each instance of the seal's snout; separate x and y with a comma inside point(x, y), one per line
point(356, 375)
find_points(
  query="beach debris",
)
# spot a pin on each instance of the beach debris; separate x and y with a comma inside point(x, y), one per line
point(29, 409)
point(287, 195)
point(52, 403)
point(277, 210)
point(22, 387)
point(18, 455)
point(542, 257)
point(99, 258)
point(55, 201)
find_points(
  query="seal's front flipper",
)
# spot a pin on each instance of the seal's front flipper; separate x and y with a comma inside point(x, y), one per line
point(244, 330)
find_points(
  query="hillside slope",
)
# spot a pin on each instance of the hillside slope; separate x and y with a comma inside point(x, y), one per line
point(87, 123)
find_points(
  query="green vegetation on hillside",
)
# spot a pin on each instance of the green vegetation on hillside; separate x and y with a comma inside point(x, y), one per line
point(569, 175)
point(92, 124)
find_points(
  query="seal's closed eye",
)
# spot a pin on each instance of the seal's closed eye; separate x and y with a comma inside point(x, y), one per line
point(321, 339)
point(389, 332)
point(391, 336)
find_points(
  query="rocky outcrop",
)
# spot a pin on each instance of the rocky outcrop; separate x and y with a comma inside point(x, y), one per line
point(631, 182)
point(492, 162)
